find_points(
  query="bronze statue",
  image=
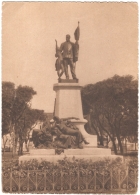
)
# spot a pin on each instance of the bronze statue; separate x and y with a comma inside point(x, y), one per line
point(64, 141)
point(61, 135)
point(42, 138)
point(67, 48)
point(68, 55)
point(67, 128)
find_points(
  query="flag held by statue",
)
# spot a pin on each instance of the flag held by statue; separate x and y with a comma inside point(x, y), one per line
point(76, 45)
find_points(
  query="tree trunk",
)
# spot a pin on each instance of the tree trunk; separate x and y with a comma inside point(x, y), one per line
point(101, 140)
point(100, 137)
point(113, 142)
point(27, 142)
point(16, 142)
point(13, 142)
point(20, 145)
point(126, 144)
point(92, 129)
point(92, 126)
point(4, 144)
point(20, 148)
point(114, 146)
point(119, 143)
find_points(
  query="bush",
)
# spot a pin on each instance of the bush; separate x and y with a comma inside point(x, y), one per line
point(69, 164)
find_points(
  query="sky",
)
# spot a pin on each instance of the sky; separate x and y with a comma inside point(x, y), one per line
point(108, 43)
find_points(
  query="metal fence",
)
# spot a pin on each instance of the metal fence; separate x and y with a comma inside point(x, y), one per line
point(74, 180)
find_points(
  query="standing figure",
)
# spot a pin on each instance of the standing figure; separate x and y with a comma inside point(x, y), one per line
point(67, 48)
point(59, 62)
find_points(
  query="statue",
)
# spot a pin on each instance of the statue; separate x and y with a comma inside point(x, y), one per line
point(63, 141)
point(68, 51)
point(62, 134)
point(68, 129)
point(42, 138)
point(67, 48)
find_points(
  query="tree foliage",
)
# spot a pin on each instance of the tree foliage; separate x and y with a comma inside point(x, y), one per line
point(17, 114)
point(8, 91)
point(112, 106)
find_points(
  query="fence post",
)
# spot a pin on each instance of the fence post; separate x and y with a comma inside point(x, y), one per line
point(53, 178)
point(19, 181)
point(103, 178)
point(127, 177)
point(61, 174)
point(119, 179)
point(111, 179)
point(11, 180)
point(86, 179)
point(45, 181)
point(70, 178)
point(78, 177)
point(95, 179)
point(28, 180)
point(136, 179)
point(36, 180)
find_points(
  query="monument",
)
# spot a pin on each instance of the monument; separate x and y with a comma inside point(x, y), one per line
point(68, 96)
point(70, 137)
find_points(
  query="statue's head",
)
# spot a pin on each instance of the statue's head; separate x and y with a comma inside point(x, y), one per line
point(67, 37)
point(56, 118)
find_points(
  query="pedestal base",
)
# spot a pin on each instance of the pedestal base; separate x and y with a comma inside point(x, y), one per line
point(68, 80)
point(84, 151)
point(94, 154)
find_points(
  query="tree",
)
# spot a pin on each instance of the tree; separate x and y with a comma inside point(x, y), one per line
point(26, 123)
point(15, 101)
point(8, 91)
point(111, 104)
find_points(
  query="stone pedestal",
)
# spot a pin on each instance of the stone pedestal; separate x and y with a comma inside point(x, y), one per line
point(68, 104)
point(74, 152)
point(55, 158)
point(68, 100)
point(94, 154)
